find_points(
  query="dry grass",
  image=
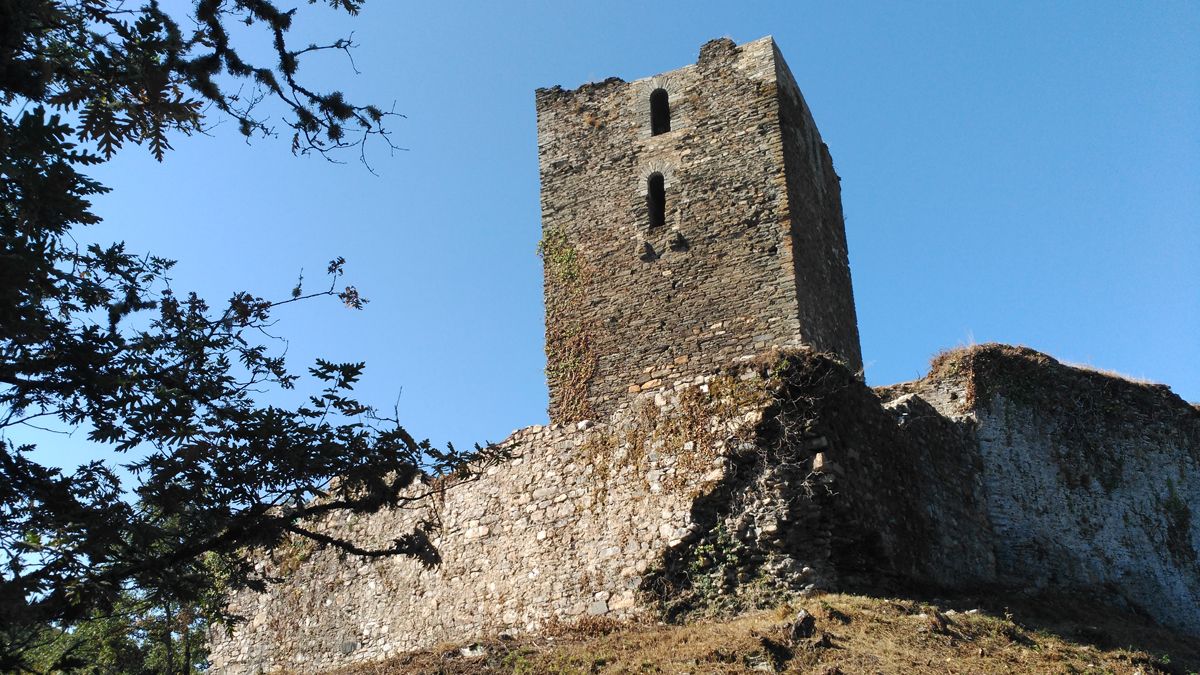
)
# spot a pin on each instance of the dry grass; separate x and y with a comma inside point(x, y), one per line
point(950, 359)
point(854, 634)
point(1108, 372)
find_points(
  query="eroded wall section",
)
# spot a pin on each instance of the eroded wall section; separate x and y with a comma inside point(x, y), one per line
point(1091, 479)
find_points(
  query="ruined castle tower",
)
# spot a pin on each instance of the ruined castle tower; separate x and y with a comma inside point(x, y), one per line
point(692, 219)
point(688, 219)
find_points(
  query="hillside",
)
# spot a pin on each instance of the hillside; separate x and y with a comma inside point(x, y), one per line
point(851, 634)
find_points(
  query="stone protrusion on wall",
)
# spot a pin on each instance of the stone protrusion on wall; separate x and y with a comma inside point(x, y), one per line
point(717, 51)
point(750, 256)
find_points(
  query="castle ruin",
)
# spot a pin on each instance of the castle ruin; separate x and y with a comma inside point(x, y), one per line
point(712, 446)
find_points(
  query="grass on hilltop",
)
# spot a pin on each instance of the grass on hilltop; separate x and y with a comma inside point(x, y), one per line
point(854, 634)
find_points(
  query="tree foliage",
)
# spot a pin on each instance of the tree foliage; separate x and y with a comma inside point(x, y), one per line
point(96, 338)
point(136, 637)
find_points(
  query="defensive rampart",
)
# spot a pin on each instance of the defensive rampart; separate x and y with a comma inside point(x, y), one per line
point(1000, 468)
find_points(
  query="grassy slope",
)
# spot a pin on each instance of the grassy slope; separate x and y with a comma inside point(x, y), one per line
point(854, 634)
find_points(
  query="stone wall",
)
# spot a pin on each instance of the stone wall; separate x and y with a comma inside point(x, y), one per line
point(707, 493)
point(1002, 468)
point(1091, 479)
point(753, 251)
point(570, 526)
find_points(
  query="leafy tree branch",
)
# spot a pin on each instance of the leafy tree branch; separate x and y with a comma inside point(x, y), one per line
point(172, 388)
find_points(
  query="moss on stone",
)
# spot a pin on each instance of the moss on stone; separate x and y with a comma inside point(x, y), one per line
point(1179, 526)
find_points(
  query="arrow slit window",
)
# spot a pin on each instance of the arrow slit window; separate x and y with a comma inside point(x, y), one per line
point(660, 112)
point(656, 200)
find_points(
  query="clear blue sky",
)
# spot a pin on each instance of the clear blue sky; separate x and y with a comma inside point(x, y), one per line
point(1016, 172)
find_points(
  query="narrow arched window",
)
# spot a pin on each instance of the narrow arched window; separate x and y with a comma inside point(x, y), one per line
point(656, 200)
point(660, 112)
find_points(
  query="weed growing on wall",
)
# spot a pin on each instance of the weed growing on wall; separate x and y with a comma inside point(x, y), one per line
point(716, 562)
point(720, 576)
point(570, 354)
point(291, 554)
point(693, 431)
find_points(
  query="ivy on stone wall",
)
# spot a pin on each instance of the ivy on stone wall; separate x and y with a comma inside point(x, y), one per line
point(759, 420)
point(697, 428)
point(570, 354)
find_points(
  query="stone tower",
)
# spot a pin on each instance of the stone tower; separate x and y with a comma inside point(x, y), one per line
point(688, 220)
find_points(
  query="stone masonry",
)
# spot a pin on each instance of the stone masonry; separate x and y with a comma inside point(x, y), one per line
point(1001, 469)
point(751, 253)
point(1090, 479)
point(712, 446)
point(568, 527)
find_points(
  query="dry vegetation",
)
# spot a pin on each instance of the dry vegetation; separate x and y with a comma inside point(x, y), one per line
point(853, 634)
point(978, 358)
